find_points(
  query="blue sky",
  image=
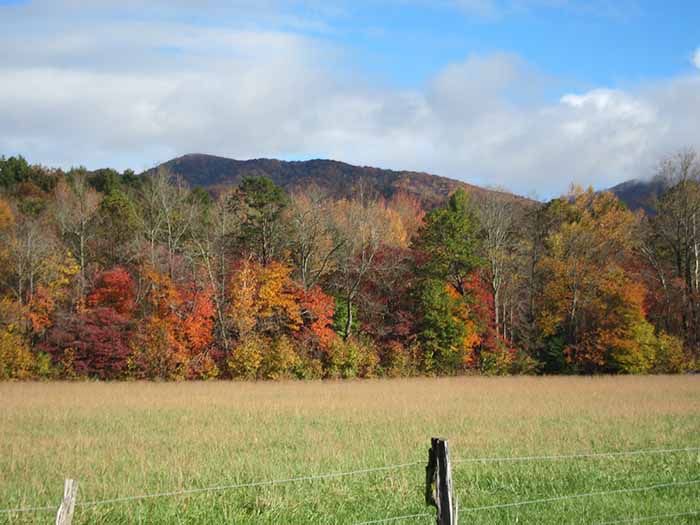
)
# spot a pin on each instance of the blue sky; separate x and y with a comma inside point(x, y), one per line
point(610, 44)
point(531, 95)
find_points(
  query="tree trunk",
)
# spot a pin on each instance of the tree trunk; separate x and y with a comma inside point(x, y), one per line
point(348, 321)
point(496, 307)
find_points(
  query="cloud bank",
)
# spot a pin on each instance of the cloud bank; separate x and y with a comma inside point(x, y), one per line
point(133, 91)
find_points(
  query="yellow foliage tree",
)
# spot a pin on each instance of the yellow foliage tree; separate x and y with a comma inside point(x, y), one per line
point(263, 299)
point(590, 299)
point(16, 360)
point(264, 306)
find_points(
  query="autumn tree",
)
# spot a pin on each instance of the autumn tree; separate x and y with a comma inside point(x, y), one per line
point(386, 297)
point(672, 242)
point(264, 307)
point(114, 289)
point(7, 223)
point(316, 309)
point(263, 299)
point(588, 249)
point(312, 240)
point(211, 246)
point(362, 227)
point(497, 217)
point(167, 214)
point(93, 343)
point(175, 340)
point(410, 212)
point(32, 252)
point(76, 206)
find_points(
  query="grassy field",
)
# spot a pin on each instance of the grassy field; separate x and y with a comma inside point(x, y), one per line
point(122, 439)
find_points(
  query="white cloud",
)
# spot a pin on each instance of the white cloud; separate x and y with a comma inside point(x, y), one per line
point(696, 58)
point(130, 94)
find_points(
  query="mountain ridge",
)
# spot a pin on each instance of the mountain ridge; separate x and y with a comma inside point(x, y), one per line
point(640, 193)
point(337, 178)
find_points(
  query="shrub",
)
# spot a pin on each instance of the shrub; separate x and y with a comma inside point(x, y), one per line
point(671, 358)
point(399, 360)
point(44, 367)
point(203, 366)
point(246, 357)
point(16, 360)
point(95, 343)
point(525, 364)
point(157, 352)
point(356, 357)
point(637, 354)
point(309, 368)
point(114, 289)
point(498, 361)
point(281, 361)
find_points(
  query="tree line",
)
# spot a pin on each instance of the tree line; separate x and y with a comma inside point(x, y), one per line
point(112, 275)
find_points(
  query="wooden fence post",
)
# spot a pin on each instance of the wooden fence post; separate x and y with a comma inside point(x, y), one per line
point(65, 511)
point(438, 482)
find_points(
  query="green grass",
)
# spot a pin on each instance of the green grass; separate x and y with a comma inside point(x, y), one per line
point(122, 439)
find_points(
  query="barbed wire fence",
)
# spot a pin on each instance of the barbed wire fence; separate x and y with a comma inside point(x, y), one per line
point(69, 503)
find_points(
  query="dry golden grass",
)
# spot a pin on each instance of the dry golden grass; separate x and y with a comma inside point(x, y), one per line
point(121, 439)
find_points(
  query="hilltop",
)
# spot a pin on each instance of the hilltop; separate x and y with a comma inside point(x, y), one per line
point(638, 193)
point(335, 178)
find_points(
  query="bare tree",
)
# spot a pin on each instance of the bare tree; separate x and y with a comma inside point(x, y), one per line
point(31, 244)
point(312, 241)
point(167, 215)
point(362, 226)
point(651, 249)
point(675, 227)
point(496, 217)
point(211, 239)
point(75, 208)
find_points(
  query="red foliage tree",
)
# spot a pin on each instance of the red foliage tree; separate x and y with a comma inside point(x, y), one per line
point(387, 303)
point(94, 343)
point(114, 289)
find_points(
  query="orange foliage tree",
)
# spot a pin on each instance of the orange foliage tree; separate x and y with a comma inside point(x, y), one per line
point(177, 335)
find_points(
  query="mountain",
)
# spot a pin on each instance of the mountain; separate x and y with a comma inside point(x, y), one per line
point(638, 193)
point(335, 178)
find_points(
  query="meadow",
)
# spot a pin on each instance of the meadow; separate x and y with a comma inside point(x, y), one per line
point(124, 439)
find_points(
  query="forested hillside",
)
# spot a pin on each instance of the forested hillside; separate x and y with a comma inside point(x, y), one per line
point(641, 194)
point(335, 179)
point(117, 276)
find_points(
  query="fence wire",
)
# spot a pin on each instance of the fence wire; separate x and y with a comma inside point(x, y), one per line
point(332, 475)
point(650, 518)
point(220, 488)
point(582, 495)
point(585, 455)
point(554, 499)
point(399, 518)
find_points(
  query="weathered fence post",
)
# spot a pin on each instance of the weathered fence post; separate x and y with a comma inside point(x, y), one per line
point(65, 511)
point(438, 482)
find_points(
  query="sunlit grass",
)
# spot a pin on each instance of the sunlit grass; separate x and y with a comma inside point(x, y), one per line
point(122, 439)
